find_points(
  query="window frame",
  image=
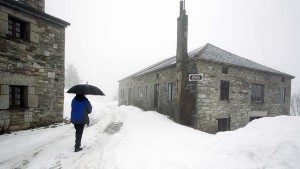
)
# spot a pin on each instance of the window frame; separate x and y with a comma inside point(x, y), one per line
point(223, 124)
point(157, 76)
point(156, 95)
point(224, 90)
point(122, 94)
point(171, 91)
point(17, 28)
point(255, 95)
point(146, 92)
point(282, 94)
point(13, 94)
point(225, 70)
point(140, 92)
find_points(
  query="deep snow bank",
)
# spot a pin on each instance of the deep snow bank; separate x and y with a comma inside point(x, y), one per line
point(150, 140)
point(126, 137)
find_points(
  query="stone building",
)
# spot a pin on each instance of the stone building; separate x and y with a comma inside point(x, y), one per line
point(32, 54)
point(209, 88)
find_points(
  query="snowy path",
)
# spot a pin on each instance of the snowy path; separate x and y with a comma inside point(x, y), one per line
point(53, 147)
point(128, 138)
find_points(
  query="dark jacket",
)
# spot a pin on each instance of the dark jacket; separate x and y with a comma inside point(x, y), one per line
point(81, 106)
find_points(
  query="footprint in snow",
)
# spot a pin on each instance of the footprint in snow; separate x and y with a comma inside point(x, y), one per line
point(113, 128)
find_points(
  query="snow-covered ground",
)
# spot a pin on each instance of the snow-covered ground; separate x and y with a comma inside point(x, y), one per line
point(126, 137)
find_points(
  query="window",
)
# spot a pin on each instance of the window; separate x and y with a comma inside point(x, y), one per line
point(225, 70)
point(224, 90)
point(122, 94)
point(171, 91)
point(224, 124)
point(257, 93)
point(283, 79)
point(253, 118)
point(156, 95)
point(138, 92)
point(16, 28)
point(16, 96)
point(157, 75)
point(282, 94)
point(146, 92)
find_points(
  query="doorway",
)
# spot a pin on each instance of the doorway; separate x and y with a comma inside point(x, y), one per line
point(156, 95)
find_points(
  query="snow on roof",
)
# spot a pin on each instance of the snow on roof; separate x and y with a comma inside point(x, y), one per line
point(215, 54)
point(163, 64)
point(210, 53)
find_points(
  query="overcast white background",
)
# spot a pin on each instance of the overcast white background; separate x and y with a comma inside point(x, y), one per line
point(109, 40)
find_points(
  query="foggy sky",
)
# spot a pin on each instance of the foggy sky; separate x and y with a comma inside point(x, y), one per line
point(109, 40)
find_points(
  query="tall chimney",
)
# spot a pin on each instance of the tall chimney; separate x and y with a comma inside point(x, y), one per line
point(182, 33)
point(37, 4)
point(181, 55)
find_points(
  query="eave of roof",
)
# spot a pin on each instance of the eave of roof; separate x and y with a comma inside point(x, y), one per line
point(157, 66)
point(213, 54)
point(32, 11)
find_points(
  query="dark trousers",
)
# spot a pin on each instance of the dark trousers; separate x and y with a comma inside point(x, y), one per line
point(78, 135)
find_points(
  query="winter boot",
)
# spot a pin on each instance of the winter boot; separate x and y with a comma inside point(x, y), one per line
point(78, 149)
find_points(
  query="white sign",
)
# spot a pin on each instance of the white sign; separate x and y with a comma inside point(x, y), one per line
point(195, 77)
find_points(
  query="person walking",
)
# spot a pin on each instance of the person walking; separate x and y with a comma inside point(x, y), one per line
point(81, 107)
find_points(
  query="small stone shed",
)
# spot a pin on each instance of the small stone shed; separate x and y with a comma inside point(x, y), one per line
point(209, 88)
point(32, 55)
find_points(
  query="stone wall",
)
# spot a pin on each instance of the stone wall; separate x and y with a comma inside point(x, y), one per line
point(239, 107)
point(165, 76)
point(201, 104)
point(37, 64)
point(37, 4)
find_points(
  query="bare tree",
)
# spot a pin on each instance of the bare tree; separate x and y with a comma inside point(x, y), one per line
point(295, 104)
point(72, 77)
point(116, 95)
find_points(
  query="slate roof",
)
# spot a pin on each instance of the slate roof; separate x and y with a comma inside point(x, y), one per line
point(34, 12)
point(214, 54)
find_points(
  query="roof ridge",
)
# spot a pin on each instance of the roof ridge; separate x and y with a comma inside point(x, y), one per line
point(219, 55)
point(263, 67)
point(154, 65)
point(150, 67)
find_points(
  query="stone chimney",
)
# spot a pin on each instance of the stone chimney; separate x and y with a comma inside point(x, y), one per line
point(181, 73)
point(37, 4)
point(182, 33)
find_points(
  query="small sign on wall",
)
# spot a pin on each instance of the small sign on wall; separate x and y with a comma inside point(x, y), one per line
point(196, 77)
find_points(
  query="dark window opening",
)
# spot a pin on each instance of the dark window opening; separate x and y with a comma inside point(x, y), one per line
point(171, 91)
point(16, 28)
point(225, 70)
point(283, 79)
point(140, 93)
point(257, 93)
point(157, 75)
point(224, 124)
point(122, 94)
point(16, 96)
point(282, 94)
point(146, 92)
point(253, 118)
point(156, 95)
point(224, 90)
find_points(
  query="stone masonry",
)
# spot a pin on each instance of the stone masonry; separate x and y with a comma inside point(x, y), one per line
point(35, 63)
point(203, 97)
point(239, 107)
point(230, 90)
